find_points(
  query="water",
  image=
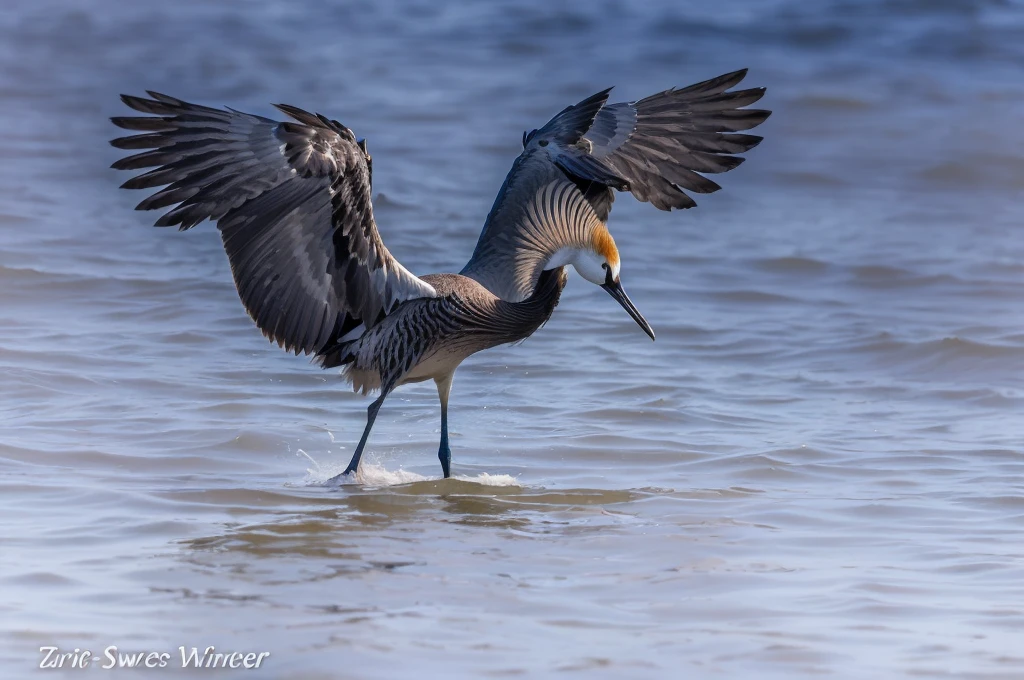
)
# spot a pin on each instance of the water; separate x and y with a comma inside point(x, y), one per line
point(817, 469)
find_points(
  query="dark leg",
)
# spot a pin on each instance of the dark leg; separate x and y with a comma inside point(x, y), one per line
point(444, 452)
point(371, 415)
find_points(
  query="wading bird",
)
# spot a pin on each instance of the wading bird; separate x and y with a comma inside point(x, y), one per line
point(292, 203)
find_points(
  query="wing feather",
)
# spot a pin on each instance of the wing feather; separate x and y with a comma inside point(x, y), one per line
point(292, 204)
point(660, 142)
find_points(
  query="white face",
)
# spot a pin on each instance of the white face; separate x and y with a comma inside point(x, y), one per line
point(588, 264)
point(598, 270)
point(592, 266)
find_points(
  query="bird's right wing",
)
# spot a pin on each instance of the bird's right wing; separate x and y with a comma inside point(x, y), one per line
point(292, 203)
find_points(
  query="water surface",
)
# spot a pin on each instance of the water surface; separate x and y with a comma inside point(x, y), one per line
point(817, 469)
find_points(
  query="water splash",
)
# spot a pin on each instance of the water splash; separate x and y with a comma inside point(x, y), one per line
point(375, 474)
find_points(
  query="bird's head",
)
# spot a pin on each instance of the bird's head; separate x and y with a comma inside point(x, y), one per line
point(598, 262)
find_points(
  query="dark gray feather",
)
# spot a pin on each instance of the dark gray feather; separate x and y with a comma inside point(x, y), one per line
point(582, 165)
point(572, 122)
point(659, 143)
point(292, 203)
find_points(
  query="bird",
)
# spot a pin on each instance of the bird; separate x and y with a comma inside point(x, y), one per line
point(292, 202)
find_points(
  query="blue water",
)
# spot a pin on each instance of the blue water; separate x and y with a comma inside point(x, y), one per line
point(817, 469)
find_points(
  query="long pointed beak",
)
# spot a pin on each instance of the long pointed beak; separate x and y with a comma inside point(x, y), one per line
point(614, 289)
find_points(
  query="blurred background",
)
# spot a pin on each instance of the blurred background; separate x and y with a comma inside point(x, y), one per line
point(817, 469)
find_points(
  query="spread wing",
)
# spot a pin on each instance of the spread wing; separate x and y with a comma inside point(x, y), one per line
point(562, 185)
point(661, 143)
point(292, 204)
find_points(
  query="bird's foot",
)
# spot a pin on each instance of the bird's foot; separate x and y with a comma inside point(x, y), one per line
point(348, 475)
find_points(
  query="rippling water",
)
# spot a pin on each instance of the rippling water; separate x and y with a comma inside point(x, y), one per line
point(817, 469)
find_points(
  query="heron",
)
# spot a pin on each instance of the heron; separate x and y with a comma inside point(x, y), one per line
point(292, 202)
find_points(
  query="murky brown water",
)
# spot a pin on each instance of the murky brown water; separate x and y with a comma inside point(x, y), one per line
point(817, 469)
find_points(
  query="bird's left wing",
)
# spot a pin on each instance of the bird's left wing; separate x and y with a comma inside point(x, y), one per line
point(292, 203)
point(665, 144)
point(563, 184)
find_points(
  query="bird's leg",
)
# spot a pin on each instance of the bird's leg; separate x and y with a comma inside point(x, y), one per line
point(371, 415)
point(444, 452)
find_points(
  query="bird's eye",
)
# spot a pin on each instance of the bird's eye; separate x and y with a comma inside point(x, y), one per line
point(605, 266)
point(543, 142)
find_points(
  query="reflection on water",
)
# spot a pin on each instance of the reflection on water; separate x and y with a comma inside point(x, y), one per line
point(322, 532)
point(816, 470)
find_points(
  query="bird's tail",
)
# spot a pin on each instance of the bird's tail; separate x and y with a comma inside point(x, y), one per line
point(345, 354)
point(339, 354)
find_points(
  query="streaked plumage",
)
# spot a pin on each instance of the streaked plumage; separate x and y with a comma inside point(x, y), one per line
point(292, 203)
